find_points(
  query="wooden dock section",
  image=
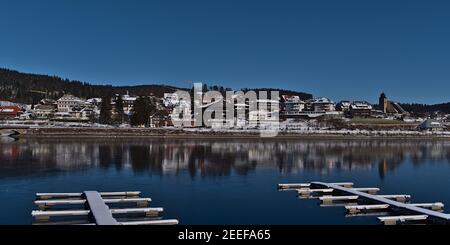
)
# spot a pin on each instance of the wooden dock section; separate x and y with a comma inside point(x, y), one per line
point(97, 208)
point(368, 202)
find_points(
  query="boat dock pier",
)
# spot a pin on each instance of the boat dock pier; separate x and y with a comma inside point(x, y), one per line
point(97, 208)
point(365, 201)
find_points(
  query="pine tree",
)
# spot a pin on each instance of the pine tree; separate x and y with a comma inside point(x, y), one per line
point(142, 109)
point(105, 111)
point(120, 115)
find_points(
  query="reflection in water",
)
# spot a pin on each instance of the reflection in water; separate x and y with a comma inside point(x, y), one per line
point(215, 157)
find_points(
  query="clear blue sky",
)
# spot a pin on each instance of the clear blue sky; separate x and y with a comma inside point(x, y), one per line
point(339, 49)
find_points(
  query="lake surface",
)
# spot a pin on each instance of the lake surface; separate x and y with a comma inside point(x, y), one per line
point(221, 181)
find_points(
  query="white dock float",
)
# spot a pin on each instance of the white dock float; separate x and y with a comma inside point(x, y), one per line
point(393, 220)
point(79, 194)
point(362, 208)
point(398, 198)
point(139, 201)
point(307, 192)
point(45, 215)
point(437, 206)
point(151, 222)
point(331, 199)
point(293, 186)
point(307, 185)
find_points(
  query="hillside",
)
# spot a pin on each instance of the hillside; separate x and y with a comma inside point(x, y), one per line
point(17, 87)
point(423, 108)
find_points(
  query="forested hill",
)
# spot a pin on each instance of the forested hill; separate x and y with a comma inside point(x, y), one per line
point(423, 108)
point(18, 87)
point(24, 88)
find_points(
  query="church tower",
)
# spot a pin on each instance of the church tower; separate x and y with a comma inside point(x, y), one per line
point(383, 102)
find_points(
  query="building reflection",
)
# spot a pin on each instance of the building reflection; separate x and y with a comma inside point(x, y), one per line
point(216, 157)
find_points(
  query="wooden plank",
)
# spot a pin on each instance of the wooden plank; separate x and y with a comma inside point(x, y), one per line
point(393, 220)
point(151, 222)
point(99, 210)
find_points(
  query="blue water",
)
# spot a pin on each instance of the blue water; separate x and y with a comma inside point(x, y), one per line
point(221, 181)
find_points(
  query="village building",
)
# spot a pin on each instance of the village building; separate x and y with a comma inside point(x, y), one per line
point(68, 102)
point(320, 105)
point(344, 106)
point(128, 103)
point(293, 105)
point(45, 109)
point(42, 111)
point(170, 99)
point(390, 107)
point(160, 119)
point(10, 112)
point(94, 101)
point(360, 109)
point(432, 125)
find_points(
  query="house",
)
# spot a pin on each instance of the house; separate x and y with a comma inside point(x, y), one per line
point(320, 105)
point(293, 105)
point(128, 102)
point(170, 99)
point(45, 109)
point(68, 102)
point(10, 112)
point(343, 106)
point(262, 118)
point(94, 101)
point(432, 125)
point(360, 109)
point(160, 119)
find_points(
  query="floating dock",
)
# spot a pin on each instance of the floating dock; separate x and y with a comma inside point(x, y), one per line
point(366, 201)
point(97, 208)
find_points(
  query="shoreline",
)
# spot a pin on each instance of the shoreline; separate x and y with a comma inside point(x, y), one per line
point(141, 133)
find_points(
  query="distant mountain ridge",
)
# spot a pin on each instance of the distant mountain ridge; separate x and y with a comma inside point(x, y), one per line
point(29, 88)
